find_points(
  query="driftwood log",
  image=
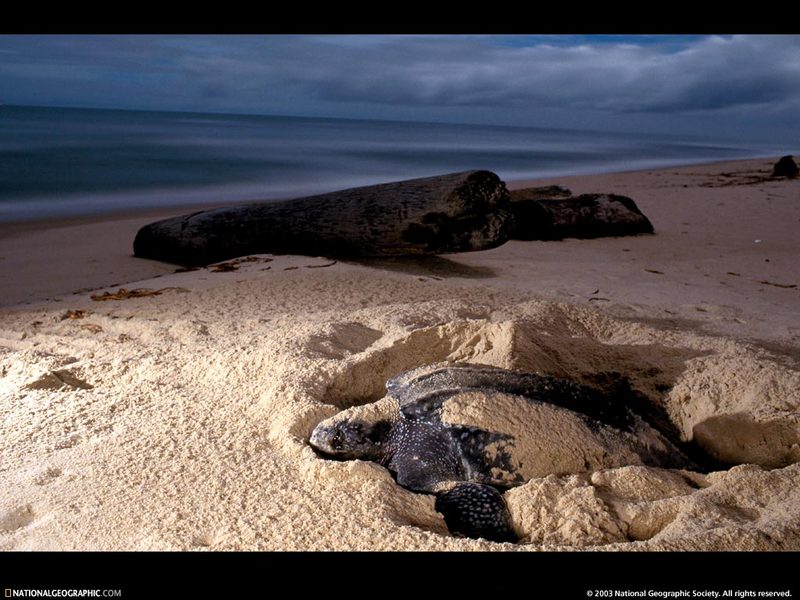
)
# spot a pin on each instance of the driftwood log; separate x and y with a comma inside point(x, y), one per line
point(547, 192)
point(434, 215)
point(551, 214)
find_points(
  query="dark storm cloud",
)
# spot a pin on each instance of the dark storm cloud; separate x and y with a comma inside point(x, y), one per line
point(296, 74)
point(714, 73)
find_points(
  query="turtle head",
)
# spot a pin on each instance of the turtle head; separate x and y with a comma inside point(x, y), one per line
point(348, 439)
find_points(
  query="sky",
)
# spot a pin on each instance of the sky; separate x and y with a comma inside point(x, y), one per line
point(732, 86)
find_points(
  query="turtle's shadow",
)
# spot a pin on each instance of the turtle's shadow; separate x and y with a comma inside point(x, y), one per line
point(426, 266)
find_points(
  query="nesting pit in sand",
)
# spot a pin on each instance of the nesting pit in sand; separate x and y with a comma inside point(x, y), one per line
point(735, 407)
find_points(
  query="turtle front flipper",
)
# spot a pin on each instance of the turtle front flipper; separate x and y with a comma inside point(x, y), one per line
point(423, 456)
point(478, 511)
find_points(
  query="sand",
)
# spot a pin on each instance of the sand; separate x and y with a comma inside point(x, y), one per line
point(180, 420)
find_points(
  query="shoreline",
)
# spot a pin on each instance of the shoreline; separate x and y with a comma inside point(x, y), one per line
point(15, 228)
point(32, 274)
point(179, 419)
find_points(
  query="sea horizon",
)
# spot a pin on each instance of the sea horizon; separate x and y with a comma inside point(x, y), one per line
point(60, 162)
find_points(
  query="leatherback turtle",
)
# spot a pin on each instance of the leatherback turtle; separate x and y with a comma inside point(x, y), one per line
point(464, 431)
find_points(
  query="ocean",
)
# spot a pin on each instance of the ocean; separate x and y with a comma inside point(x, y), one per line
point(57, 162)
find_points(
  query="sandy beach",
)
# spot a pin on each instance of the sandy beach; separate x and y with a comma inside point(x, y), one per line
point(179, 419)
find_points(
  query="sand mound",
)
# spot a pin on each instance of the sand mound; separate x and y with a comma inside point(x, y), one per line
point(641, 508)
point(180, 421)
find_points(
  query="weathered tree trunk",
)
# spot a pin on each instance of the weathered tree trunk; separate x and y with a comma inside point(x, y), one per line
point(547, 192)
point(538, 215)
point(448, 213)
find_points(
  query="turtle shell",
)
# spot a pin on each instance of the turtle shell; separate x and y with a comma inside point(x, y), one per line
point(446, 424)
point(505, 427)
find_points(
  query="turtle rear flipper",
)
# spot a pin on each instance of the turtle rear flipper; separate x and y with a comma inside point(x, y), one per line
point(476, 511)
